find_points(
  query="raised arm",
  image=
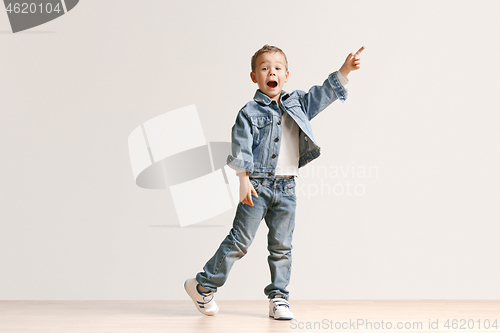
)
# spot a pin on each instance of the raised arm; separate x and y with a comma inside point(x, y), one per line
point(319, 98)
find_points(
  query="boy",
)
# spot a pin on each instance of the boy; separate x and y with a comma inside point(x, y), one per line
point(271, 139)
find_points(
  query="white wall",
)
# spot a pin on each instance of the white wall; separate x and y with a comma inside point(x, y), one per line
point(422, 111)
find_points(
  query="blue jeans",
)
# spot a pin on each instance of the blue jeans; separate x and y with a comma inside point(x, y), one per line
point(276, 205)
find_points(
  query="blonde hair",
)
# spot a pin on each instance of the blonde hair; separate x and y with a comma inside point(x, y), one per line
point(264, 49)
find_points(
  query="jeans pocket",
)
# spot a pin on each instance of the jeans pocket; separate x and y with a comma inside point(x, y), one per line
point(255, 184)
point(290, 191)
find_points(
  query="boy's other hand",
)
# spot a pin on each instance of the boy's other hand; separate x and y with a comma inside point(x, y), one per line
point(352, 62)
point(246, 191)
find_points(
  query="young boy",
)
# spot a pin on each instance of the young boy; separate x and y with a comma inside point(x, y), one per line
point(271, 139)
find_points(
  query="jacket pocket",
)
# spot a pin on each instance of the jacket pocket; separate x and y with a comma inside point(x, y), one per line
point(293, 103)
point(261, 121)
point(262, 126)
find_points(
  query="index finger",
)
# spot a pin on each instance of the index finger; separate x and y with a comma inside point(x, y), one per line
point(361, 49)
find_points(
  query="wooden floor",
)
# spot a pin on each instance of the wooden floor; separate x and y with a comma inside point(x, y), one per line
point(248, 316)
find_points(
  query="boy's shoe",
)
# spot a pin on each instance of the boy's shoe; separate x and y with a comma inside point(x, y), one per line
point(204, 302)
point(279, 308)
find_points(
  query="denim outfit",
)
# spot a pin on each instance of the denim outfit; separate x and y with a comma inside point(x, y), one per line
point(255, 147)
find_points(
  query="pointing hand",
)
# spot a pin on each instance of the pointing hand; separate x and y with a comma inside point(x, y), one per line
point(352, 62)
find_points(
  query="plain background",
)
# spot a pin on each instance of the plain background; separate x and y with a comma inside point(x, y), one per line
point(422, 110)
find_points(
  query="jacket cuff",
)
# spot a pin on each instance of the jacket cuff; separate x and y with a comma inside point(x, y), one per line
point(239, 165)
point(342, 78)
point(238, 169)
point(339, 89)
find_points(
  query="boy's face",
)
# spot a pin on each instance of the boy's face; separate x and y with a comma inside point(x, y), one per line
point(270, 74)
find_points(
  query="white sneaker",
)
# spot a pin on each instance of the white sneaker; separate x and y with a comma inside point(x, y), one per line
point(279, 308)
point(204, 302)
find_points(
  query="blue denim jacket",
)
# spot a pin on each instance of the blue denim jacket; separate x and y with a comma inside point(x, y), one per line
point(256, 133)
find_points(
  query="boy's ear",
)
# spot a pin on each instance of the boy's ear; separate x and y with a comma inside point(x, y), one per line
point(286, 76)
point(253, 77)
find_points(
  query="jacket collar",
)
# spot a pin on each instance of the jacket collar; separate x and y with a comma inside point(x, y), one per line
point(260, 97)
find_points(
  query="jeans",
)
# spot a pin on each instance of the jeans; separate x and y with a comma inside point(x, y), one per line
point(276, 205)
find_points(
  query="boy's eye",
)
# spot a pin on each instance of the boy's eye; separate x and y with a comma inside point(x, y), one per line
point(264, 68)
point(278, 68)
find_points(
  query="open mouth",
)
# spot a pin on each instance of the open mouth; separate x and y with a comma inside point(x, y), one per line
point(272, 84)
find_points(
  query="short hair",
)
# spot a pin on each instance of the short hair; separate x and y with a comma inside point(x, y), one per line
point(264, 49)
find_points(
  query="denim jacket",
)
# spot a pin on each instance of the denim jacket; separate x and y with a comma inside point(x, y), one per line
point(256, 134)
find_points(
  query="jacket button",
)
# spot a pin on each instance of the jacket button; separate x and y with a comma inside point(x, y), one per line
point(277, 139)
point(279, 122)
point(274, 156)
point(270, 173)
